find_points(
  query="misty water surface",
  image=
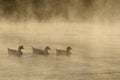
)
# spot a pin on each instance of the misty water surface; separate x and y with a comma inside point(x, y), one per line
point(95, 53)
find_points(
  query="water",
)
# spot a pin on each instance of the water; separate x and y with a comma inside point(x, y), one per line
point(53, 67)
point(95, 54)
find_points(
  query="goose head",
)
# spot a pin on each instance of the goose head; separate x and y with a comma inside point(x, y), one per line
point(68, 48)
point(47, 48)
point(20, 47)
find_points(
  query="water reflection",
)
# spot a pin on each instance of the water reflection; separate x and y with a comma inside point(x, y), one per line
point(59, 67)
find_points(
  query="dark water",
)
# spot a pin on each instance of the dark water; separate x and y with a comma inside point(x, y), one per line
point(53, 67)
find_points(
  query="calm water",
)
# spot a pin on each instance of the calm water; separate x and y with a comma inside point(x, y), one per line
point(53, 67)
point(95, 54)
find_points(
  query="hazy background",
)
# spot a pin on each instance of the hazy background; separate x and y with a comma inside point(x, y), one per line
point(83, 10)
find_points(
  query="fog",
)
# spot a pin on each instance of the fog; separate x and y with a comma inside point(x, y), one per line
point(90, 27)
point(87, 38)
point(88, 24)
point(69, 10)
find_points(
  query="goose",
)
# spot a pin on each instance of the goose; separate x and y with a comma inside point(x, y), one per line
point(40, 51)
point(64, 52)
point(16, 52)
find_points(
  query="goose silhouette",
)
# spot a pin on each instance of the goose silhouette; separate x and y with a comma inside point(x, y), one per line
point(64, 52)
point(16, 52)
point(40, 51)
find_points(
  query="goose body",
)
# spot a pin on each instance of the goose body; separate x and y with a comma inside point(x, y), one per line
point(64, 52)
point(16, 52)
point(40, 51)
